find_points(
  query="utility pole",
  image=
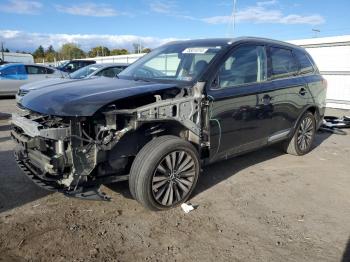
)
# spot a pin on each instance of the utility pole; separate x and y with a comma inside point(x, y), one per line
point(316, 31)
point(232, 25)
point(2, 52)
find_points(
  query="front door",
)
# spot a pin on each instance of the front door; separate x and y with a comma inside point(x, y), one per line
point(240, 118)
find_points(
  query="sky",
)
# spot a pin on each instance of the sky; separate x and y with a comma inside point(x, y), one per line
point(26, 24)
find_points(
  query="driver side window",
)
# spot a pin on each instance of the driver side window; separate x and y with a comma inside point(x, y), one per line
point(247, 64)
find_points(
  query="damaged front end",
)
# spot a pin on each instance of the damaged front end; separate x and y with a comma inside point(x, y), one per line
point(58, 154)
point(75, 155)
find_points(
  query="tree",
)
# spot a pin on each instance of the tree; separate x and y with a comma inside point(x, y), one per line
point(99, 51)
point(39, 52)
point(7, 50)
point(146, 50)
point(71, 51)
point(49, 50)
point(119, 52)
point(50, 54)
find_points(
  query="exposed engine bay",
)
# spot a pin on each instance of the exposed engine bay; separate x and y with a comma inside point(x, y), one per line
point(75, 155)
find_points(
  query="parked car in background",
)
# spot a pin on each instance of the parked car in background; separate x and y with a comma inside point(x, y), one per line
point(203, 101)
point(73, 65)
point(107, 70)
point(94, 70)
point(12, 76)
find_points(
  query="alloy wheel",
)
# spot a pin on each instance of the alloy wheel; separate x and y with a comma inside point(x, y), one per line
point(173, 178)
point(305, 133)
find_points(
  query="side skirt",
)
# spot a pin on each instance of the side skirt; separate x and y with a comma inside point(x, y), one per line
point(279, 136)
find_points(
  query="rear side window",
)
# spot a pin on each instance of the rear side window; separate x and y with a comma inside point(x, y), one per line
point(35, 70)
point(247, 64)
point(305, 64)
point(49, 71)
point(282, 63)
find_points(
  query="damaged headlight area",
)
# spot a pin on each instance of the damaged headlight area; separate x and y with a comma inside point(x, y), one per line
point(67, 154)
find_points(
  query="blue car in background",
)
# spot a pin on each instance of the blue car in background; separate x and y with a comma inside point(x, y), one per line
point(12, 76)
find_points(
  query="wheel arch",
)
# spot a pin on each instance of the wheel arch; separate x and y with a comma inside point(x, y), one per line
point(309, 108)
point(132, 143)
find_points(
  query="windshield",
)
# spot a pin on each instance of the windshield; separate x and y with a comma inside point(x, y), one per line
point(181, 62)
point(63, 64)
point(85, 71)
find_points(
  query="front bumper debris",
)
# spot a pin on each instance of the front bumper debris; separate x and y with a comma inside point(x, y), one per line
point(44, 156)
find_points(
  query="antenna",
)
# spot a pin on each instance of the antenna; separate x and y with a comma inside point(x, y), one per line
point(2, 51)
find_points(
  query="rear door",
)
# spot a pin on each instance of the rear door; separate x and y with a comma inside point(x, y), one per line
point(239, 121)
point(288, 93)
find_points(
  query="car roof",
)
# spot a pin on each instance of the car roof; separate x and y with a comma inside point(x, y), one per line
point(230, 41)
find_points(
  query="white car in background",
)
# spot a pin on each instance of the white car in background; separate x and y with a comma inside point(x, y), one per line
point(94, 70)
point(12, 76)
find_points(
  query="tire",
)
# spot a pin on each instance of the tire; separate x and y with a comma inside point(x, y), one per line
point(304, 133)
point(164, 173)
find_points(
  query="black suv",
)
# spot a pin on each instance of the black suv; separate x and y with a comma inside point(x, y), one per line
point(184, 105)
point(73, 65)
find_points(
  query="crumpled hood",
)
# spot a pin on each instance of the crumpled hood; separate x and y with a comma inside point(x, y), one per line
point(84, 97)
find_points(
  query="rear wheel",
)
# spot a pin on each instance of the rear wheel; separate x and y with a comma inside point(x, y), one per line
point(164, 173)
point(301, 142)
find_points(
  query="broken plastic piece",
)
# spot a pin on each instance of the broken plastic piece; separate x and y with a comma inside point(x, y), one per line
point(187, 208)
point(93, 193)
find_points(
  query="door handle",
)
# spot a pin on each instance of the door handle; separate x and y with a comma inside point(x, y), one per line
point(302, 91)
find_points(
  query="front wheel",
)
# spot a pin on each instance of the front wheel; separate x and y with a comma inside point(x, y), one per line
point(164, 173)
point(301, 142)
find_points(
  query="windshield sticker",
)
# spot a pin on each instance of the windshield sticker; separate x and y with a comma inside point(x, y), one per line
point(195, 50)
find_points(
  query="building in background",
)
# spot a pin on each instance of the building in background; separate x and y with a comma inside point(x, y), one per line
point(6, 57)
